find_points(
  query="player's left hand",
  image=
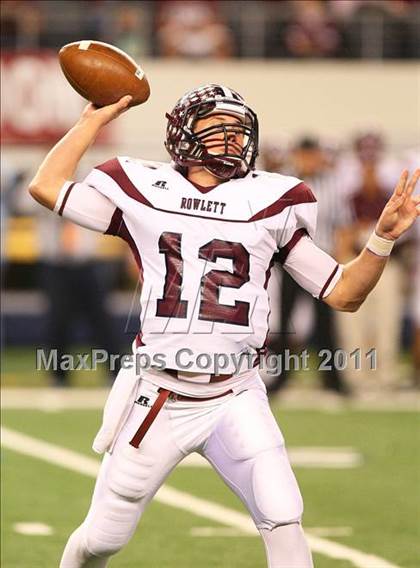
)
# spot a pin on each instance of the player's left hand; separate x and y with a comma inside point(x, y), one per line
point(401, 210)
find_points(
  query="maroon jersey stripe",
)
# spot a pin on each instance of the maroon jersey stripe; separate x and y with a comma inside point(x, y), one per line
point(268, 273)
point(115, 224)
point(125, 234)
point(298, 194)
point(284, 251)
point(63, 204)
point(327, 283)
point(261, 351)
point(115, 171)
point(139, 339)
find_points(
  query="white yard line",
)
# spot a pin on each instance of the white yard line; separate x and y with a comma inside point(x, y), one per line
point(231, 532)
point(206, 509)
point(33, 529)
point(211, 532)
point(309, 457)
point(326, 457)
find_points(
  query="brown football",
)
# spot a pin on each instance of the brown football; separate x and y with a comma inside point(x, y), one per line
point(102, 73)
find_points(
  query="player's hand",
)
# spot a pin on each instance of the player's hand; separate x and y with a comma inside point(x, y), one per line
point(105, 114)
point(401, 210)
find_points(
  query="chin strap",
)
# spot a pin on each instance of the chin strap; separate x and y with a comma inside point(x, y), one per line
point(225, 171)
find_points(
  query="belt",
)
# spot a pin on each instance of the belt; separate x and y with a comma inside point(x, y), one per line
point(163, 396)
point(213, 378)
point(175, 396)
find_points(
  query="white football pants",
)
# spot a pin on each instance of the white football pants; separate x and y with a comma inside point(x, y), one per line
point(237, 434)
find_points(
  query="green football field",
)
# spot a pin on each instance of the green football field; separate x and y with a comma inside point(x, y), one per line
point(363, 497)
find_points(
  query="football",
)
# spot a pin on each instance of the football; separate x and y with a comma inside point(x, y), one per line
point(102, 73)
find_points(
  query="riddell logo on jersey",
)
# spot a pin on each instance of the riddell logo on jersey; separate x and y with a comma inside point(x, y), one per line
point(161, 184)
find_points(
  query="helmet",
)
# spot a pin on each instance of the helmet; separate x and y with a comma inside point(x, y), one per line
point(189, 148)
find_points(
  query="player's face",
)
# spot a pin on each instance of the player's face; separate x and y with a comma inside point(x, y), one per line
point(215, 143)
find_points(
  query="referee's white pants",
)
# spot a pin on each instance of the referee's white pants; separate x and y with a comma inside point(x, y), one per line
point(237, 434)
point(376, 325)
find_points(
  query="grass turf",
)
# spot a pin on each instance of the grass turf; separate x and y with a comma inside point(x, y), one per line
point(379, 500)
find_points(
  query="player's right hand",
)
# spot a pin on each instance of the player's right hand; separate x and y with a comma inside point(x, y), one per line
point(105, 114)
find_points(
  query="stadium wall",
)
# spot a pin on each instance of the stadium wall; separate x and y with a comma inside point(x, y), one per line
point(333, 99)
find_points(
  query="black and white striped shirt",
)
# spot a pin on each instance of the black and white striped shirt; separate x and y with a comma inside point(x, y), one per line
point(334, 211)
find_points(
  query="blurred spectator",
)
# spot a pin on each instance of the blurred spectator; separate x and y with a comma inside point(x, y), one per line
point(10, 178)
point(9, 27)
point(21, 25)
point(192, 29)
point(416, 315)
point(30, 27)
point(416, 338)
point(195, 28)
point(374, 28)
point(77, 285)
point(129, 32)
point(371, 178)
point(412, 160)
point(312, 164)
point(311, 32)
point(273, 157)
point(345, 9)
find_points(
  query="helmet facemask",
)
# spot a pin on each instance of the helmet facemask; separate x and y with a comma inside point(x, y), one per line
point(225, 149)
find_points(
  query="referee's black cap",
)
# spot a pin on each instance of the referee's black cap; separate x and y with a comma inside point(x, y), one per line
point(307, 143)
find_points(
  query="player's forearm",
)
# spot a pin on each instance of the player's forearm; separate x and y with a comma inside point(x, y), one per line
point(358, 280)
point(62, 161)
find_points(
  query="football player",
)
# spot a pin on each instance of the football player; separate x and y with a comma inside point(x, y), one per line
point(203, 230)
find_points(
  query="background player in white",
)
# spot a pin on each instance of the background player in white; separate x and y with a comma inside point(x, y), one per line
point(203, 231)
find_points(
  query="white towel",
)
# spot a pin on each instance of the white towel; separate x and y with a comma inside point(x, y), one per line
point(117, 408)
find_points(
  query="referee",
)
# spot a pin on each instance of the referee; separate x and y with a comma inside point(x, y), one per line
point(310, 162)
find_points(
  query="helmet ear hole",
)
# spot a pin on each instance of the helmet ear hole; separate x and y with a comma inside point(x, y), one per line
point(188, 148)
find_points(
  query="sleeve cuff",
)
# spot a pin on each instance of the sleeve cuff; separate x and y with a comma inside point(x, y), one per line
point(63, 196)
point(332, 280)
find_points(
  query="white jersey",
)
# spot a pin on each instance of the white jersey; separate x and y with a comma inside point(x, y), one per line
point(204, 255)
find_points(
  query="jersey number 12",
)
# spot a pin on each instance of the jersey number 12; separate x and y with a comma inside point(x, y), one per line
point(173, 306)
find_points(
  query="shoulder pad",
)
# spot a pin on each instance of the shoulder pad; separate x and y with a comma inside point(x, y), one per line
point(143, 163)
point(276, 177)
